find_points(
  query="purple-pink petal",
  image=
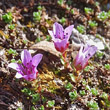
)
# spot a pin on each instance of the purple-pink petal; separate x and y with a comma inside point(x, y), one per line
point(51, 34)
point(61, 45)
point(18, 75)
point(26, 57)
point(91, 51)
point(26, 77)
point(30, 76)
point(68, 31)
point(36, 59)
point(58, 30)
point(16, 66)
point(79, 58)
point(85, 53)
point(33, 76)
point(85, 48)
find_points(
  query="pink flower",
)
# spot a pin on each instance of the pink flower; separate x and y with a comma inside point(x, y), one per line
point(27, 69)
point(85, 53)
point(61, 36)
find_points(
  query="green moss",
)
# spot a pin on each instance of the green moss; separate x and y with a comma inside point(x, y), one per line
point(60, 2)
point(93, 105)
point(82, 92)
point(81, 29)
point(50, 103)
point(36, 16)
point(102, 16)
point(73, 95)
point(62, 20)
point(68, 86)
point(88, 10)
point(107, 66)
point(92, 24)
point(7, 17)
point(94, 91)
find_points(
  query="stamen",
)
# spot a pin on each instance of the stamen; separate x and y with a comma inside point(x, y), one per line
point(85, 56)
point(89, 54)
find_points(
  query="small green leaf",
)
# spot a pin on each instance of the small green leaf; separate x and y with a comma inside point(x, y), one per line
point(44, 99)
point(33, 108)
point(13, 52)
point(68, 86)
point(81, 29)
point(19, 108)
point(7, 17)
point(107, 66)
point(41, 108)
point(104, 96)
point(94, 91)
point(92, 24)
point(99, 54)
point(60, 2)
point(84, 82)
point(82, 92)
point(102, 16)
point(87, 87)
point(38, 39)
point(97, 3)
point(39, 8)
point(107, 103)
point(11, 26)
point(36, 16)
point(51, 103)
point(88, 10)
point(25, 41)
point(72, 77)
point(13, 60)
point(19, 61)
point(87, 68)
point(35, 97)
point(73, 95)
point(48, 38)
point(93, 105)
point(72, 11)
point(27, 91)
point(62, 20)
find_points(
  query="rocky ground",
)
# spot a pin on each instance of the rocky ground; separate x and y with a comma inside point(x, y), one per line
point(24, 24)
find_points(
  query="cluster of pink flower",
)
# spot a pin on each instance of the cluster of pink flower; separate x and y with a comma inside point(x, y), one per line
point(60, 37)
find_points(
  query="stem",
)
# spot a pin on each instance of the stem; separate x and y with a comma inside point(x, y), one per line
point(64, 56)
